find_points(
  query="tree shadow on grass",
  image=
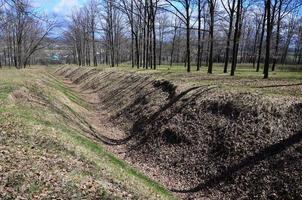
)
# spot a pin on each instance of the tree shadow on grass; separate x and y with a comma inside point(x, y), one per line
point(280, 85)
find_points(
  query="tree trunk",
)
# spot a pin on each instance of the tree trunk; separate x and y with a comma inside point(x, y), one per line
point(268, 39)
point(173, 45)
point(227, 51)
point(188, 52)
point(261, 42)
point(255, 43)
point(199, 36)
point(236, 38)
point(212, 9)
point(95, 62)
point(132, 34)
point(277, 37)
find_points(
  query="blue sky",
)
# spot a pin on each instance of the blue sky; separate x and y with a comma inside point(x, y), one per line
point(60, 7)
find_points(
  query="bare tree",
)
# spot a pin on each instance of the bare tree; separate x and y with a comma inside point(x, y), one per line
point(270, 16)
point(236, 36)
point(26, 32)
point(230, 9)
point(233, 32)
point(212, 5)
point(177, 7)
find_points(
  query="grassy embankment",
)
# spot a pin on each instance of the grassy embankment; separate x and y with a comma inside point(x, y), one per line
point(285, 81)
point(44, 151)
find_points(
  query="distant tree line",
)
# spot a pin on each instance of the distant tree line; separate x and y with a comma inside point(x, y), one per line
point(149, 33)
point(152, 32)
point(23, 31)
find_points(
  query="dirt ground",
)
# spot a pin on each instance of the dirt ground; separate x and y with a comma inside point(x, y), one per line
point(202, 141)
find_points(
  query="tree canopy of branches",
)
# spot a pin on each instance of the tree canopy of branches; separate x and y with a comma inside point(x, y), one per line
point(23, 31)
point(148, 33)
point(152, 32)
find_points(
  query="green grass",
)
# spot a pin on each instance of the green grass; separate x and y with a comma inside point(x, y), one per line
point(57, 128)
point(33, 188)
point(58, 85)
point(5, 89)
point(243, 71)
point(246, 78)
point(119, 164)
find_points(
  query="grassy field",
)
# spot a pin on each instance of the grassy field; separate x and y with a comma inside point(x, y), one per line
point(287, 72)
point(45, 152)
point(285, 81)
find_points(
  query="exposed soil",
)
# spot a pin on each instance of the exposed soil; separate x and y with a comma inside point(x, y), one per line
point(200, 142)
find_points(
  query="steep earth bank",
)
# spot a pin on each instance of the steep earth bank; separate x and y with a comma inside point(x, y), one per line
point(201, 141)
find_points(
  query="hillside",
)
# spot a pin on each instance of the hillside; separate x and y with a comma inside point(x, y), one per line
point(45, 151)
point(199, 140)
